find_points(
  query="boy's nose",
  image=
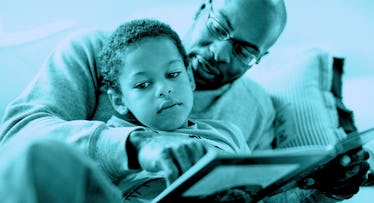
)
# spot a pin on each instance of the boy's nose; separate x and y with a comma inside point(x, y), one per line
point(164, 90)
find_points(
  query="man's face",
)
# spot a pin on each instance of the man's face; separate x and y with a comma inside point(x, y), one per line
point(155, 84)
point(227, 38)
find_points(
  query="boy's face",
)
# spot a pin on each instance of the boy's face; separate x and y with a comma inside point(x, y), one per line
point(155, 84)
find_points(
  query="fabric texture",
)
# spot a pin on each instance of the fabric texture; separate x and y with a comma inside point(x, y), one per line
point(306, 108)
point(244, 103)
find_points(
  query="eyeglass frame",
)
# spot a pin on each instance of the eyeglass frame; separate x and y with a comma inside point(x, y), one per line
point(225, 35)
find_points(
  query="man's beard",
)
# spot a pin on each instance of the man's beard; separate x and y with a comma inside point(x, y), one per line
point(207, 76)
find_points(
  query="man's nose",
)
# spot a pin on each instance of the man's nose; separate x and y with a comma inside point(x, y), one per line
point(222, 51)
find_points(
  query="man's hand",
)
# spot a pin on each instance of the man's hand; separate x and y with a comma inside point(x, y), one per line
point(169, 154)
point(342, 177)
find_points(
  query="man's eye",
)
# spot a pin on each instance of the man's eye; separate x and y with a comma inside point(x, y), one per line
point(216, 30)
point(242, 51)
point(141, 85)
point(219, 30)
point(172, 75)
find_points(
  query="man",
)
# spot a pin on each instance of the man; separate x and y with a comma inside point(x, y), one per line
point(67, 101)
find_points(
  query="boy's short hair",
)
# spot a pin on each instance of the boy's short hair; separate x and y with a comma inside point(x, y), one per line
point(127, 34)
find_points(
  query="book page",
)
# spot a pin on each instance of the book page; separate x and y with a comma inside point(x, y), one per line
point(252, 177)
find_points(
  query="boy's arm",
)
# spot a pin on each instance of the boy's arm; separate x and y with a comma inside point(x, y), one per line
point(61, 100)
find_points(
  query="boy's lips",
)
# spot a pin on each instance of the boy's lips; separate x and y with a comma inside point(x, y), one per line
point(168, 104)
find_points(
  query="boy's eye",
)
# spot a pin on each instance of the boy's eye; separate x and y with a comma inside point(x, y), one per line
point(173, 74)
point(142, 85)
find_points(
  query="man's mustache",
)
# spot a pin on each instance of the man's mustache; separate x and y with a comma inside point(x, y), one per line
point(202, 61)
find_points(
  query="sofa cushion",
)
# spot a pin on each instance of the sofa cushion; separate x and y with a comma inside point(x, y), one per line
point(301, 93)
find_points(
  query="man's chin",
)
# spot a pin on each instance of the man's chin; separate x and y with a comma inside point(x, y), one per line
point(202, 84)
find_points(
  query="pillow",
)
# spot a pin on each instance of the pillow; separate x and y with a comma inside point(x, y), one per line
point(306, 111)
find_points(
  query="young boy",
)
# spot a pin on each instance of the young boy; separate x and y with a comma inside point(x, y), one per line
point(146, 71)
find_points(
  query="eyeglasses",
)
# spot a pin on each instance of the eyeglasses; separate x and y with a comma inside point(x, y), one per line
point(218, 31)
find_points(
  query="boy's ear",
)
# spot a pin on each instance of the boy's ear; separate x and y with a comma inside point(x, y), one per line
point(117, 102)
point(191, 77)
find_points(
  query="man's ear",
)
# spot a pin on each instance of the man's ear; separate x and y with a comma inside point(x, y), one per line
point(191, 77)
point(117, 101)
point(262, 55)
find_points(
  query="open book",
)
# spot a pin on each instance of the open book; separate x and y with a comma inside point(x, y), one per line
point(261, 174)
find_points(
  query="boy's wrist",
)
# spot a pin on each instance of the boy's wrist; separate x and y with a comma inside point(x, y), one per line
point(133, 146)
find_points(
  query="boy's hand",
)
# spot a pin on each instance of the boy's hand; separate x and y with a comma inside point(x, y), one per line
point(171, 154)
point(342, 177)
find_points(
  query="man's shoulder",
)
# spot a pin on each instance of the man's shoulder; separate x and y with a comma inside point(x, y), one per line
point(250, 93)
point(247, 85)
point(90, 38)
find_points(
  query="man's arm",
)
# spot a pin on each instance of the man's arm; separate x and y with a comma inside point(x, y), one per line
point(62, 100)
point(65, 89)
